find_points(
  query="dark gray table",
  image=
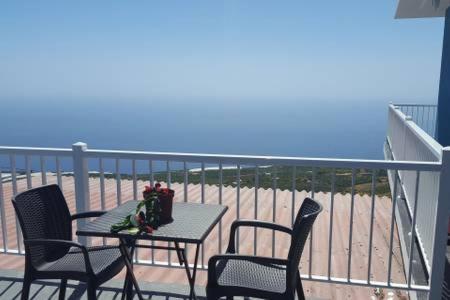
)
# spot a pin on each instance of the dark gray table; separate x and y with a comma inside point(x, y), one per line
point(192, 223)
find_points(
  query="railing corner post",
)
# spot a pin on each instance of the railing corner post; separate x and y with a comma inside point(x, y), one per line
point(81, 178)
point(441, 228)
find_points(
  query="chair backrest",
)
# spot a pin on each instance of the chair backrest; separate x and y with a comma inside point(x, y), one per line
point(302, 226)
point(43, 214)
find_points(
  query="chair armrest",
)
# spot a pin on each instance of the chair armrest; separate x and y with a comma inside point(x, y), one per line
point(88, 214)
point(66, 243)
point(212, 263)
point(252, 223)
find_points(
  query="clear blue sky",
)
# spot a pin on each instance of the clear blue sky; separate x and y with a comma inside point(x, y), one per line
point(244, 50)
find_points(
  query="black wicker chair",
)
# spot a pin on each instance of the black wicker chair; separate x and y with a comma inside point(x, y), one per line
point(50, 252)
point(262, 277)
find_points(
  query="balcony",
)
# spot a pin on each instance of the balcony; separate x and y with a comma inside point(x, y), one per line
point(382, 231)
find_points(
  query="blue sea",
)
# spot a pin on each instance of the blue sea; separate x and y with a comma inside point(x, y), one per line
point(336, 129)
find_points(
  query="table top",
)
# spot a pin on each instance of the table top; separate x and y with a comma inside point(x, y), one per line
point(192, 223)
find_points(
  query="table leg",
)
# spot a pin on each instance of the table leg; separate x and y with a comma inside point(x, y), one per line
point(130, 279)
point(191, 277)
point(179, 253)
point(127, 290)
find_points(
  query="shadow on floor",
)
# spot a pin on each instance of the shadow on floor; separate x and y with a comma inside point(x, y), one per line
point(11, 286)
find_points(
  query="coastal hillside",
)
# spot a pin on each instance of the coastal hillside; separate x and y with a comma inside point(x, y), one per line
point(306, 179)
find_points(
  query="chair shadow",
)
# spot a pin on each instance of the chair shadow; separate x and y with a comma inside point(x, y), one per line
point(11, 288)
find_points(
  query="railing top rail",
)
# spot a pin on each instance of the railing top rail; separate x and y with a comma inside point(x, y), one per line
point(266, 160)
point(427, 140)
point(36, 151)
point(430, 142)
point(414, 104)
point(231, 159)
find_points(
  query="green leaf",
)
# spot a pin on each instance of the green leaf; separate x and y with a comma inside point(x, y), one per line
point(133, 230)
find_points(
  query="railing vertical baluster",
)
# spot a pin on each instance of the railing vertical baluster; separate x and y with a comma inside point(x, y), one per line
point(168, 174)
point(330, 237)
point(150, 170)
point(238, 202)
point(43, 171)
point(202, 181)
point(274, 206)
point(134, 174)
point(135, 197)
point(220, 202)
point(58, 172)
point(12, 160)
point(186, 182)
point(203, 201)
point(350, 239)
point(435, 120)
point(391, 237)
point(186, 179)
point(81, 184)
point(311, 234)
point(417, 121)
point(372, 212)
point(102, 183)
point(413, 228)
point(429, 121)
point(255, 230)
point(432, 121)
point(3, 216)
point(118, 182)
point(423, 117)
point(168, 180)
point(102, 187)
point(294, 188)
point(418, 110)
point(152, 181)
point(28, 171)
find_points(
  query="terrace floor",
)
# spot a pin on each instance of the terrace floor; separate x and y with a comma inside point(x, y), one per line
point(174, 280)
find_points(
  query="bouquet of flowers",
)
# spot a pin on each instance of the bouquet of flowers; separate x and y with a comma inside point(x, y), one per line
point(158, 210)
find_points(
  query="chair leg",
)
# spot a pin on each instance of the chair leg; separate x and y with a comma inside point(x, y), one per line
point(299, 287)
point(91, 291)
point(212, 296)
point(26, 285)
point(62, 289)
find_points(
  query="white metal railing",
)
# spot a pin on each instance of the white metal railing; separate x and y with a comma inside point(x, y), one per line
point(407, 141)
point(81, 160)
point(424, 115)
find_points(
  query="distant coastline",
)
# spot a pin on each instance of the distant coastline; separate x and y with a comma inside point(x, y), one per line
point(278, 178)
point(269, 177)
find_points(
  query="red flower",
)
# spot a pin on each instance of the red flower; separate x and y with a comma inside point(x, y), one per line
point(148, 189)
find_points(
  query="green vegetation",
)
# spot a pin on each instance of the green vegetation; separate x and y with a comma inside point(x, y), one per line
point(281, 178)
